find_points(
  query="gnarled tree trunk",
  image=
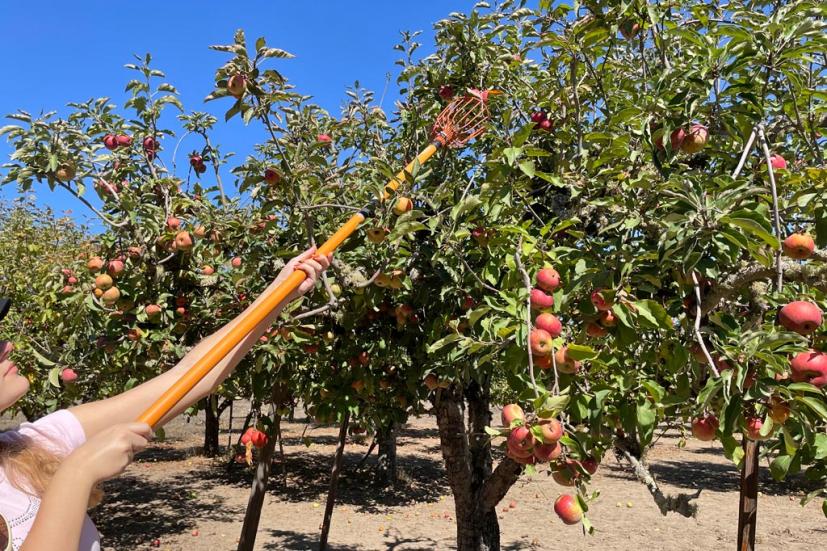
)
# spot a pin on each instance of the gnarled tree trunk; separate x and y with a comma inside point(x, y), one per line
point(477, 489)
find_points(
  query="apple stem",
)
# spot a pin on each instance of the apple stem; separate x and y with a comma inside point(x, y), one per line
point(779, 281)
point(698, 336)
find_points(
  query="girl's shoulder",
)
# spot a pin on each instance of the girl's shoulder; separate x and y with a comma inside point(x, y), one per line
point(60, 432)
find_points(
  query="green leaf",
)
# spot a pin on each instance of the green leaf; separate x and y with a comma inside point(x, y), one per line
point(654, 313)
point(814, 404)
point(820, 445)
point(528, 168)
point(581, 352)
point(645, 422)
point(43, 360)
point(54, 377)
point(512, 153)
point(779, 466)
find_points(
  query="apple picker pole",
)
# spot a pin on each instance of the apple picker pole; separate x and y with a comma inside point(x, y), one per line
point(461, 121)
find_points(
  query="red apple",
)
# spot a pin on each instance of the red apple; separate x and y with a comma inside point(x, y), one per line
point(183, 240)
point(271, 176)
point(115, 268)
point(521, 439)
point(95, 264)
point(607, 319)
point(568, 509)
point(236, 262)
point(123, 140)
point(152, 310)
point(629, 28)
point(546, 125)
point(565, 363)
point(704, 428)
point(538, 116)
point(551, 430)
point(543, 362)
point(512, 412)
point(599, 301)
point(548, 279)
point(676, 138)
point(800, 316)
point(596, 330)
point(810, 367)
point(547, 452)
point(695, 139)
point(778, 162)
point(540, 341)
point(173, 223)
point(540, 300)
point(324, 139)
point(237, 85)
point(590, 465)
point(752, 428)
point(549, 323)
point(446, 92)
point(68, 375)
point(799, 246)
point(110, 142)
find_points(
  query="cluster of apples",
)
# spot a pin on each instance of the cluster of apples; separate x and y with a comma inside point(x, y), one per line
point(69, 281)
point(547, 326)
point(690, 140)
point(104, 287)
point(183, 240)
point(540, 118)
point(197, 163)
point(113, 142)
point(530, 443)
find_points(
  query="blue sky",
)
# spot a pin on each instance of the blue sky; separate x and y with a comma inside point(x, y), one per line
point(57, 52)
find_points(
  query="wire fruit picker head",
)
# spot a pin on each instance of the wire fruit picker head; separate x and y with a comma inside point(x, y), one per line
point(462, 120)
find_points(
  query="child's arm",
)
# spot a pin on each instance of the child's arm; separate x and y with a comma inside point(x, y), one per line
point(59, 520)
point(96, 416)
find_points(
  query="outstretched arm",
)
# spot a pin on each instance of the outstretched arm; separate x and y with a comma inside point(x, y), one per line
point(126, 407)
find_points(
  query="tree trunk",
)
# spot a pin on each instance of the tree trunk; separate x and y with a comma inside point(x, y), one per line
point(748, 501)
point(258, 490)
point(476, 488)
point(211, 426)
point(334, 481)
point(387, 454)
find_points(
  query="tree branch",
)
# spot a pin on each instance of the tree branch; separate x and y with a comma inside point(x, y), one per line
point(667, 504)
point(498, 484)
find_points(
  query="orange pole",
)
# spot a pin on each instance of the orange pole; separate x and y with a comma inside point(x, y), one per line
point(208, 361)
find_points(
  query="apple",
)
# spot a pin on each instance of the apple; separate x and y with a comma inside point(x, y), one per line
point(358, 385)
point(97, 292)
point(551, 430)
point(237, 85)
point(111, 296)
point(72, 280)
point(510, 413)
point(521, 439)
point(364, 358)
point(547, 452)
point(704, 428)
point(324, 139)
point(779, 410)
point(446, 92)
point(565, 474)
point(799, 246)
point(183, 240)
point(568, 509)
point(103, 282)
point(629, 28)
point(778, 162)
point(173, 223)
point(377, 235)
point(123, 140)
point(236, 262)
point(548, 279)
point(800, 316)
point(68, 375)
point(431, 381)
point(540, 300)
point(599, 301)
point(403, 205)
point(115, 267)
point(523, 458)
point(540, 342)
point(134, 252)
point(271, 176)
point(549, 323)
point(481, 235)
point(152, 310)
point(110, 142)
point(65, 172)
point(596, 330)
point(200, 231)
point(546, 125)
point(565, 363)
point(590, 465)
point(810, 367)
point(695, 139)
point(676, 138)
point(752, 428)
point(543, 362)
point(149, 144)
point(95, 264)
point(538, 116)
point(607, 319)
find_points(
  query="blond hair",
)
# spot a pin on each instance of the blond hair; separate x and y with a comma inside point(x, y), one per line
point(30, 467)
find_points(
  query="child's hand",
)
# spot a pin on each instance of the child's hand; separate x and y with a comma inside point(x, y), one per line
point(109, 452)
point(311, 265)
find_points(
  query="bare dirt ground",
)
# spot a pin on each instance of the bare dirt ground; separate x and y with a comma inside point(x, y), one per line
point(170, 492)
